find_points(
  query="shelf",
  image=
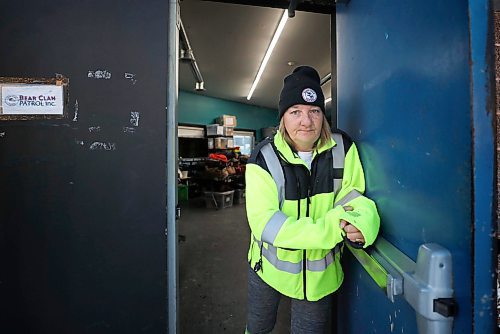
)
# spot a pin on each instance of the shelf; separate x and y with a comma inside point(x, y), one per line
point(221, 149)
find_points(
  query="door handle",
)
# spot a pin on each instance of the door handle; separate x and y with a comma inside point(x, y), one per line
point(426, 285)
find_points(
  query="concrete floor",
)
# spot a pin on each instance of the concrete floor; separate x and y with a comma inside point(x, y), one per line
point(213, 270)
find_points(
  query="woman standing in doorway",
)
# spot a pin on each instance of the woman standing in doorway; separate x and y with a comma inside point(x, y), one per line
point(304, 192)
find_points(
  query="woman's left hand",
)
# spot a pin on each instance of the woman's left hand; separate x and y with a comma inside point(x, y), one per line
point(352, 233)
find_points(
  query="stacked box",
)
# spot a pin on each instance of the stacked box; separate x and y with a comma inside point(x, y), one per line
point(230, 142)
point(220, 142)
point(219, 200)
point(215, 130)
point(211, 144)
point(228, 131)
point(226, 120)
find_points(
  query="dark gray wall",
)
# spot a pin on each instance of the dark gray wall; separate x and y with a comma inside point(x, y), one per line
point(82, 226)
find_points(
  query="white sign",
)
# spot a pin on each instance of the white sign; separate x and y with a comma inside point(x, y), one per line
point(32, 100)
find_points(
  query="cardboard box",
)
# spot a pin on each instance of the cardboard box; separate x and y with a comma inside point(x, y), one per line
point(228, 131)
point(230, 142)
point(220, 142)
point(215, 130)
point(226, 120)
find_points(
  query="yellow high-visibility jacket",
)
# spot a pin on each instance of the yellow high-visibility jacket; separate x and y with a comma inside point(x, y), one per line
point(296, 237)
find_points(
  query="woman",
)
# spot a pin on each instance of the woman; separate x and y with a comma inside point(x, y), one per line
point(304, 196)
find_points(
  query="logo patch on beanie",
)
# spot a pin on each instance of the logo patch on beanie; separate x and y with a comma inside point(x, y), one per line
point(309, 95)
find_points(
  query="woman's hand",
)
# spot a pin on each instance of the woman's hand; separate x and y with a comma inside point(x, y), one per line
point(352, 233)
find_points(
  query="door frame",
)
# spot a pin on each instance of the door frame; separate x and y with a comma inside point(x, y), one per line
point(171, 165)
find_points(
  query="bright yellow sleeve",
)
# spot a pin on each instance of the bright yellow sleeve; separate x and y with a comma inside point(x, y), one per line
point(364, 216)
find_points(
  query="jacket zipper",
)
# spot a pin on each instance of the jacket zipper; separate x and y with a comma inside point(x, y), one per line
point(304, 262)
point(304, 255)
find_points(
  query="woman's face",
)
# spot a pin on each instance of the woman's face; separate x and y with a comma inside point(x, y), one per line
point(303, 123)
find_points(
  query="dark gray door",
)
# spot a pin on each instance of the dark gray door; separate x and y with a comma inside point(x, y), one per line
point(82, 213)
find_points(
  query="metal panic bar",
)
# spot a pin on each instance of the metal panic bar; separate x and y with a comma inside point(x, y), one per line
point(426, 285)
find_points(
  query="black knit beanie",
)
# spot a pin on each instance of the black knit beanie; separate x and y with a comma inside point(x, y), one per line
point(301, 87)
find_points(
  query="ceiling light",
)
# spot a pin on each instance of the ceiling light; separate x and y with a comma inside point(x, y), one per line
point(270, 49)
point(328, 100)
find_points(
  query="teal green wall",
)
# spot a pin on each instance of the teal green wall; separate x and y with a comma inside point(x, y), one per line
point(203, 110)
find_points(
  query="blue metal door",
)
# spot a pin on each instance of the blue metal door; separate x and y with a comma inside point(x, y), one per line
point(414, 90)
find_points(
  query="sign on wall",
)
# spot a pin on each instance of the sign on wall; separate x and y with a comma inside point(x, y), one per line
point(24, 98)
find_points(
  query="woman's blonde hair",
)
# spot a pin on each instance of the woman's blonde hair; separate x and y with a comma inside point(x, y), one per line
point(324, 136)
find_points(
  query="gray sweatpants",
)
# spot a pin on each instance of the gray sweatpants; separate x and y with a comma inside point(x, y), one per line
point(307, 317)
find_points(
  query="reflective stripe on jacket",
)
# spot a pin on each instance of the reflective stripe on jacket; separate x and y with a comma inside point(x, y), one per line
point(295, 226)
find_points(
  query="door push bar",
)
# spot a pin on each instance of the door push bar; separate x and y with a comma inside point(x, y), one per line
point(426, 285)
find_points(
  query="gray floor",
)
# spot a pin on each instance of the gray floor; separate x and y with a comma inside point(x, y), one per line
point(213, 270)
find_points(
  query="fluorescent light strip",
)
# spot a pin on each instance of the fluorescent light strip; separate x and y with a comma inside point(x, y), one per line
point(328, 100)
point(270, 49)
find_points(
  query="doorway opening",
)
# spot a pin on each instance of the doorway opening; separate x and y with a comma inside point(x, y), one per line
point(228, 42)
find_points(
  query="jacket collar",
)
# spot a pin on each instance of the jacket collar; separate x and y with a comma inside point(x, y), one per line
point(290, 154)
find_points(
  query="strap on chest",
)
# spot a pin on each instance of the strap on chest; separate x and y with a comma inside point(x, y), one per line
point(276, 170)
